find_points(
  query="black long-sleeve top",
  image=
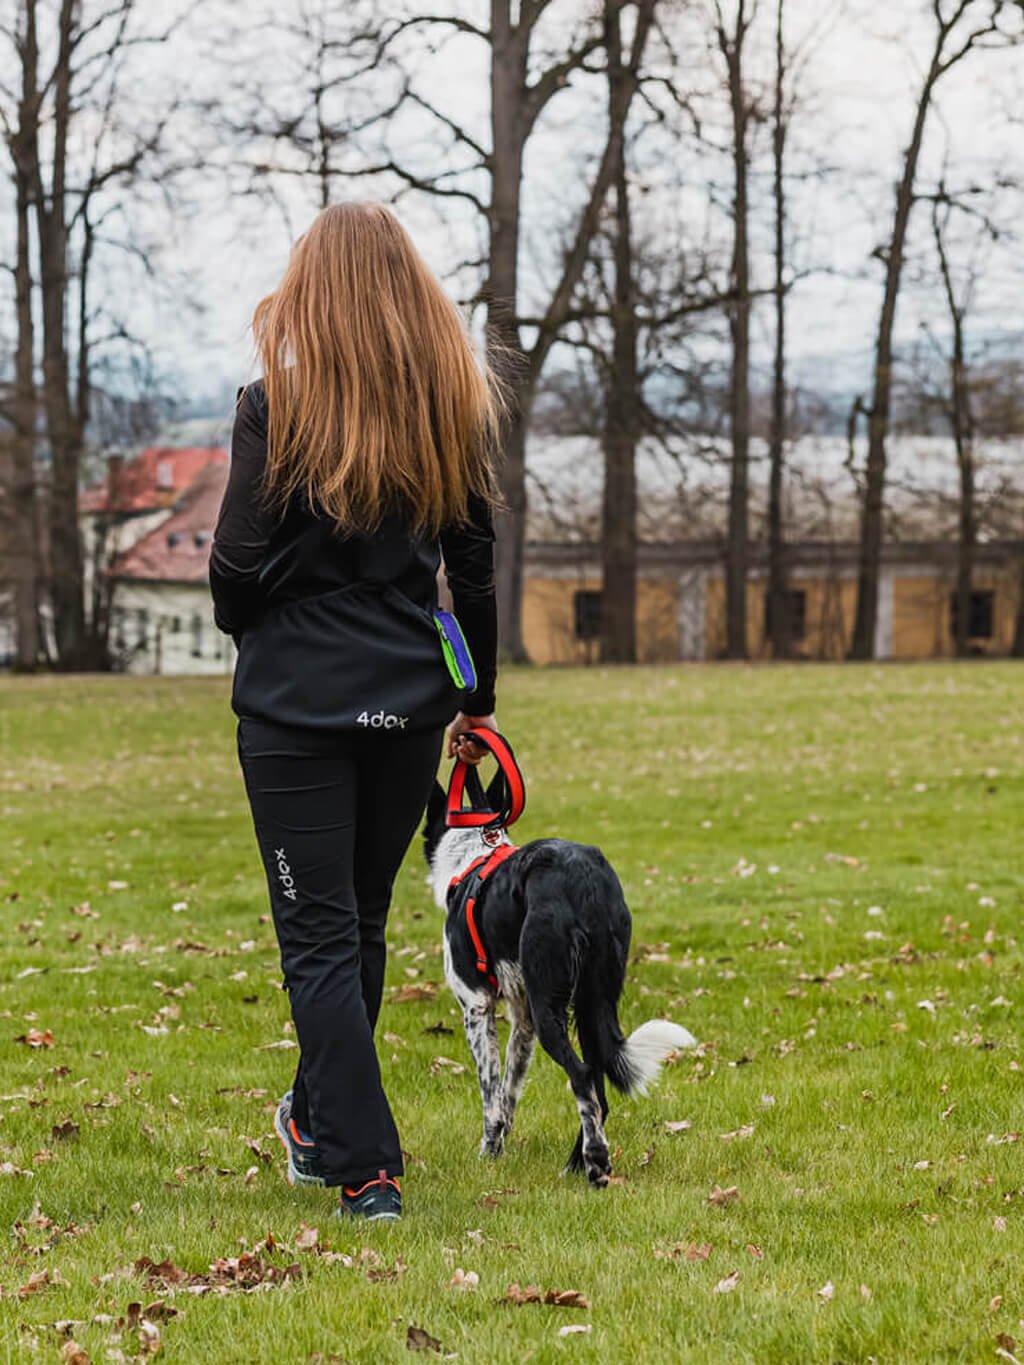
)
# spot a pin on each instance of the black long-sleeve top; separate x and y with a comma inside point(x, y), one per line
point(262, 558)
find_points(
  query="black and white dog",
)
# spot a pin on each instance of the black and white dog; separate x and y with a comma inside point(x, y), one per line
point(547, 926)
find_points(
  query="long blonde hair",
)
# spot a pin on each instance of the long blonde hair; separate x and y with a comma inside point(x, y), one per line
point(376, 400)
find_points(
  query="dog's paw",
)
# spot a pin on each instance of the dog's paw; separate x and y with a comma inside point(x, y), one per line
point(598, 1164)
point(492, 1146)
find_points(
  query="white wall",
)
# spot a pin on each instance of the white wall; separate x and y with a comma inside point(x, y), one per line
point(175, 621)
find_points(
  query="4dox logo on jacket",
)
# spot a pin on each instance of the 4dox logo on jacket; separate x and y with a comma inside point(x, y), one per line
point(380, 721)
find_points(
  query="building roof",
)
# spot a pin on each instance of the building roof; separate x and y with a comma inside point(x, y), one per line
point(178, 551)
point(153, 480)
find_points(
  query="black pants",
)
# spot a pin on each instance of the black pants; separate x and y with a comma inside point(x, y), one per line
point(334, 815)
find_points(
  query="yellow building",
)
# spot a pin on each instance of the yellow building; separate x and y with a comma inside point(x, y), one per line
point(681, 601)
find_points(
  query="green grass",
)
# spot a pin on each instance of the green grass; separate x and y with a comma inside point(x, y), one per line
point(857, 997)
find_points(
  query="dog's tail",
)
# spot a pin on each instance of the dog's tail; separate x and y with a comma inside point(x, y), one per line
point(633, 1065)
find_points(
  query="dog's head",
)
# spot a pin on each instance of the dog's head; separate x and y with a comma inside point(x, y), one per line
point(448, 851)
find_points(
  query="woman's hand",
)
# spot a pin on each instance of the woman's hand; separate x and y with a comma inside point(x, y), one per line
point(457, 746)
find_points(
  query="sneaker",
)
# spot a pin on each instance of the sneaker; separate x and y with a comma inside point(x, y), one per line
point(378, 1201)
point(303, 1157)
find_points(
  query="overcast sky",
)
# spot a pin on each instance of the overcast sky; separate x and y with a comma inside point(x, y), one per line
point(859, 84)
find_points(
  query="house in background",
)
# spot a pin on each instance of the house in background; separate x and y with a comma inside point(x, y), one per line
point(158, 513)
point(161, 614)
point(147, 531)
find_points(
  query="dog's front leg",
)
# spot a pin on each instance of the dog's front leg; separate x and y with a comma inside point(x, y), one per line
point(482, 1036)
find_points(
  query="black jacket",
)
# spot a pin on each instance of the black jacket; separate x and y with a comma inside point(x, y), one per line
point(288, 582)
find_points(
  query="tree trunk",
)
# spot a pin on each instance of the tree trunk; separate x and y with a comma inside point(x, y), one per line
point(739, 325)
point(863, 643)
point(65, 437)
point(961, 420)
point(778, 597)
point(24, 541)
point(618, 522)
point(504, 349)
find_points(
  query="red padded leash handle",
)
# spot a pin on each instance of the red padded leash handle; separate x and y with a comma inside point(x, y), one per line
point(464, 775)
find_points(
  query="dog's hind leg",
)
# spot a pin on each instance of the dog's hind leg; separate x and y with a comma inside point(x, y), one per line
point(519, 1049)
point(591, 1150)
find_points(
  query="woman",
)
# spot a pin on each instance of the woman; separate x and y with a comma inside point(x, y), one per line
point(360, 455)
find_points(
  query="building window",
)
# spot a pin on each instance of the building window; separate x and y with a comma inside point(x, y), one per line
point(796, 613)
point(142, 628)
point(164, 474)
point(587, 615)
point(197, 636)
point(980, 617)
point(175, 625)
point(118, 622)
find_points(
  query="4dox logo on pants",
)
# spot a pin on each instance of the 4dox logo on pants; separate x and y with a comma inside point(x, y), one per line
point(284, 875)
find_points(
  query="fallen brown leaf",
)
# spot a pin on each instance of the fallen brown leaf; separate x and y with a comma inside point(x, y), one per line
point(418, 1339)
point(558, 1298)
point(419, 990)
point(73, 1354)
point(464, 1279)
point(728, 1284)
point(754, 1251)
point(719, 1197)
point(36, 1038)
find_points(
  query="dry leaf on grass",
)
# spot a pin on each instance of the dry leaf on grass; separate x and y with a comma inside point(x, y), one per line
point(678, 1125)
point(464, 1279)
point(754, 1252)
point(420, 990)
point(36, 1038)
point(719, 1197)
point(690, 1252)
point(826, 1291)
point(9, 1168)
point(65, 1132)
point(418, 1339)
point(40, 1280)
point(730, 1282)
point(73, 1354)
point(573, 1329)
point(307, 1238)
point(746, 1131)
point(558, 1298)
point(439, 1064)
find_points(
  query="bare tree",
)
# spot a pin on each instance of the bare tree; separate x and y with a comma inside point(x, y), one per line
point(61, 182)
point(960, 28)
point(731, 39)
point(622, 389)
point(21, 133)
point(778, 598)
point(961, 419)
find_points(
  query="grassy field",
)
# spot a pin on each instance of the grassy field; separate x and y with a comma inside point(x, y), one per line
point(825, 871)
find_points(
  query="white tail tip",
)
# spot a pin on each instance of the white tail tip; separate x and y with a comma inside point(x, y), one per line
point(648, 1046)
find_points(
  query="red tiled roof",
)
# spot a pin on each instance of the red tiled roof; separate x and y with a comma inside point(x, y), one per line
point(156, 478)
point(178, 551)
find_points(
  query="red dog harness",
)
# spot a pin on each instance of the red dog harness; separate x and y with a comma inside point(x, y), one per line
point(479, 816)
point(479, 870)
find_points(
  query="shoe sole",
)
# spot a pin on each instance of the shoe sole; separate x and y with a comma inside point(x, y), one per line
point(293, 1176)
point(368, 1217)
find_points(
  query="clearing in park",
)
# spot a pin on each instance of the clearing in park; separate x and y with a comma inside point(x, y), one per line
point(824, 867)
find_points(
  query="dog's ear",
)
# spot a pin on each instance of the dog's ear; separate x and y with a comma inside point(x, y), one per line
point(435, 824)
point(496, 790)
